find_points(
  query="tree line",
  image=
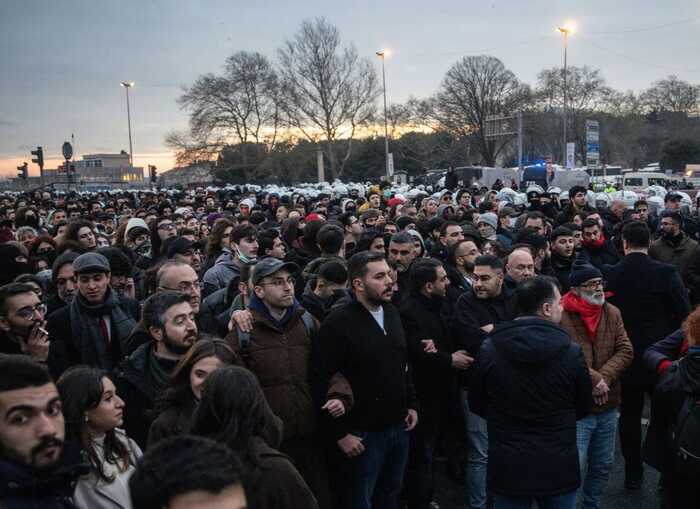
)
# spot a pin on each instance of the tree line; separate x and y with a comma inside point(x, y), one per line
point(265, 120)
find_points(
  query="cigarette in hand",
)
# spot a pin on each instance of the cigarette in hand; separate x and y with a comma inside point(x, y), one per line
point(43, 331)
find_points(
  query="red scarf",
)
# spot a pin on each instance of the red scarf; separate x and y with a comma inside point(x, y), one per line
point(590, 314)
point(596, 244)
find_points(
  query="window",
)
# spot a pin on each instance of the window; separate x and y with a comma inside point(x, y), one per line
point(637, 181)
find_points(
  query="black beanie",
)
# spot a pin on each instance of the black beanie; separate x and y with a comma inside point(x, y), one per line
point(582, 271)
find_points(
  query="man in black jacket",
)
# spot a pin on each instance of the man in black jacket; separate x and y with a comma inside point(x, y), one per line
point(364, 340)
point(596, 249)
point(424, 314)
point(531, 385)
point(476, 315)
point(563, 255)
point(36, 469)
point(653, 303)
point(169, 319)
point(93, 329)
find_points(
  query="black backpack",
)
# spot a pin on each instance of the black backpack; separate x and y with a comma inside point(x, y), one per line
point(686, 437)
point(244, 337)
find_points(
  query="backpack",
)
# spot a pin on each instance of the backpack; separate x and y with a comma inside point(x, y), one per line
point(686, 437)
point(244, 337)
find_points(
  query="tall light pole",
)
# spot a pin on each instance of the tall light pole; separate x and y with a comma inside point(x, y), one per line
point(382, 54)
point(565, 32)
point(127, 85)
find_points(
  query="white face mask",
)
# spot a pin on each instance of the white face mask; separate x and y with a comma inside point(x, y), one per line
point(512, 221)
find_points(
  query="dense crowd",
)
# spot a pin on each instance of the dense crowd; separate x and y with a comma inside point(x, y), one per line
point(324, 347)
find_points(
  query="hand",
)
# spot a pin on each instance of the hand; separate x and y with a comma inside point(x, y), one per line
point(411, 419)
point(487, 328)
point(351, 445)
point(241, 318)
point(429, 346)
point(335, 407)
point(129, 288)
point(460, 360)
point(381, 221)
point(600, 393)
point(37, 343)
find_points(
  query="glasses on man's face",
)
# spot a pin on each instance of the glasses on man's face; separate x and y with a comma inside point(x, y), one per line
point(280, 282)
point(166, 226)
point(28, 313)
point(592, 285)
point(186, 287)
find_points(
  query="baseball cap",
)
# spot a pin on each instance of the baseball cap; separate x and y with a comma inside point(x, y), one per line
point(90, 263)
point(181, 246)
point(268, 266)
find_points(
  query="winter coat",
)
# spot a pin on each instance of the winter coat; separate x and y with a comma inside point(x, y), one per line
point(653, 303)
point(682, 256)
point(22, 488)
point(220, 274)
point(561, 266)
point(608, 355)
point(668, 349)
point(531, 385)
point(605, 255)
point(683, 377)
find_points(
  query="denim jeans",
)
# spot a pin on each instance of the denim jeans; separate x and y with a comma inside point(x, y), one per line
point(477, 458)
point(595, 439)
point(373, 479)
point(565, 501)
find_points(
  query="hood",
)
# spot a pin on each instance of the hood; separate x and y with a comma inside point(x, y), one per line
point(530, 340)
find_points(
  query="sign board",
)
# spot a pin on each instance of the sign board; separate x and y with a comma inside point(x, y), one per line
point(390, 165)
point(570, 155)
point(67, 150)
point(592, 143)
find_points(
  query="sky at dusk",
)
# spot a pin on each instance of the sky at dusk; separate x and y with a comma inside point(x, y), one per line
point(61, 61)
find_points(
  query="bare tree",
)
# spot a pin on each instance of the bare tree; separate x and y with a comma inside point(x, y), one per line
point(328, 91)
point(239, 106)
point(474, 89)
point(672, 95)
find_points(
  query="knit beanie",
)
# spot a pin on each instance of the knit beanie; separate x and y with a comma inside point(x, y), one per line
point(582, 271)
point(490, 219)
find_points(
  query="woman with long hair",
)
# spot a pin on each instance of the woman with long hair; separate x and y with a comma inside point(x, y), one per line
point(180, 396)
point(93, 413)
point(233, 411)
point(218, 241)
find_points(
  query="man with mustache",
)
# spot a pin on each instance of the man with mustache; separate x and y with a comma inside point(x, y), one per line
point(402, 252)
point(169, 319)
point(35, 470)
point(22, 322)
point(598, 329)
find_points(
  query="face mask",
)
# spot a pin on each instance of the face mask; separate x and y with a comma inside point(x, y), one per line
point(245, 259)
point(512, 221)
point(144, 249)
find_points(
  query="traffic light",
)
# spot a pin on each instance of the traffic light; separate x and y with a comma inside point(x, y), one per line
point(38, 157)
point(22, 172)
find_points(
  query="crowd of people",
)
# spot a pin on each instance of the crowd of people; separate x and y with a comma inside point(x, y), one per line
point(241, 347)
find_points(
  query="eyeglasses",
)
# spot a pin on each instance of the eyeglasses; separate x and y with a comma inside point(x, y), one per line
point(592, 285)
point(29, 313)
point(166, 226)
point(279, 282)
point(186, 287)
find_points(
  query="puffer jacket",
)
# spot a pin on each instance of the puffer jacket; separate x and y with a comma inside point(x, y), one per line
point(608, 355)
point(280, 358)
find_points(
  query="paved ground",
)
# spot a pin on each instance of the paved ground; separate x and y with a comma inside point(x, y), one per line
point(453, 496)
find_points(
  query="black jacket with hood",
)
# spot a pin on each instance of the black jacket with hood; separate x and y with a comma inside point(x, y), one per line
point(531, 384)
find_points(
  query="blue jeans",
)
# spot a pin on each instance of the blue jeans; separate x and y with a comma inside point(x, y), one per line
point(373, 479)
point(477, 458)
point(595, 439)
point(566, 501)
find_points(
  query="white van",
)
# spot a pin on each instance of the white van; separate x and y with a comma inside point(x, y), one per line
point(639, 180)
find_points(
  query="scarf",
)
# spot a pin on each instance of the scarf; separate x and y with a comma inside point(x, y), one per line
point(259, 306)
point(590, 313)
point(87, 334)
point(595, 245)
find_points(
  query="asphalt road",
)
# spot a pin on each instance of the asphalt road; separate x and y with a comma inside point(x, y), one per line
point(450, 495)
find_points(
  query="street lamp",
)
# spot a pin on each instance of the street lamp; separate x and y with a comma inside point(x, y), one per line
point(127, 85)
point(565, 32)
point(382, 54)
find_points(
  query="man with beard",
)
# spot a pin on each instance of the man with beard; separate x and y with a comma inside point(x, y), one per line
point(64, 282)
point(35, 468)
point(450, 233)
point(678, 249)
point(460, 267)
point(476, 315)
point(364, 340)
point(598, 329)
point(596, 248)
point(578, 203)
point(22, 322)
point(520, 265)
point(562, 246)
point(424, 315)
point(93, 329)
point(169, 319)
point(402, 252)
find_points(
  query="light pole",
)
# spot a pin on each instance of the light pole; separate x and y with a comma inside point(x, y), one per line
point(565, 31)
point(382, 54)
point(127, 85)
